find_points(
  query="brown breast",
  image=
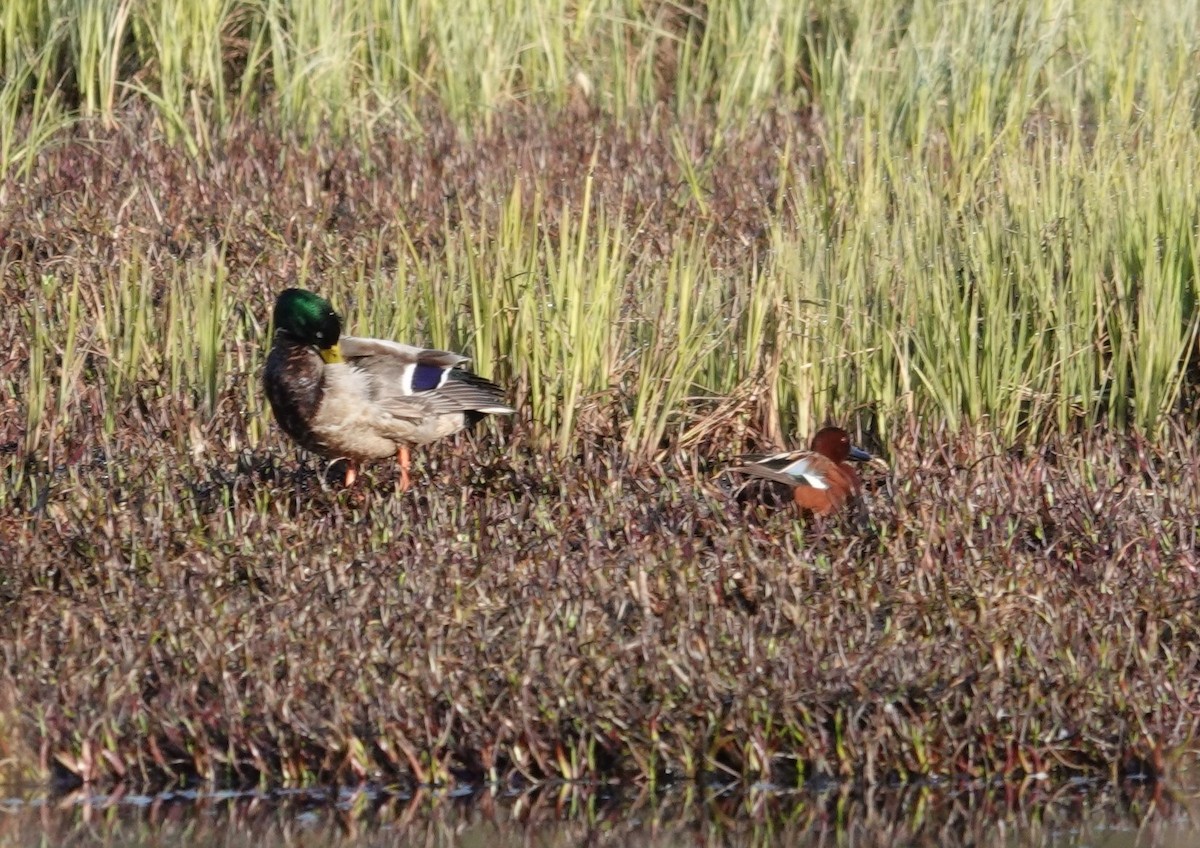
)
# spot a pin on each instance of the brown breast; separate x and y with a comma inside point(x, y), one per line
point(294, 384)
point(843, 483)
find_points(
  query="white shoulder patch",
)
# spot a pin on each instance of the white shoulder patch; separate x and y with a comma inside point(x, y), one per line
point(806, 472)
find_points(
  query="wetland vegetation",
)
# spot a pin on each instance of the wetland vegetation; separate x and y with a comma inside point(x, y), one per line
point(676, 232)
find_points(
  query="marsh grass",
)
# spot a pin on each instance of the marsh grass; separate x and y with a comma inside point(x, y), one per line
point(1013, 614)
point(966, 232)
point(575, 593)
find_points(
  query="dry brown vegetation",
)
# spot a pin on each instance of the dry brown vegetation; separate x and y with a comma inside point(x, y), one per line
point(185, 599)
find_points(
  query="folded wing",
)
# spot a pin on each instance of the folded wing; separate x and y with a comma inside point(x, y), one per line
point(416, 383)
point(792, 468)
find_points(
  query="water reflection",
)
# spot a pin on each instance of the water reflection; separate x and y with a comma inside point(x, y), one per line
point(592, 815)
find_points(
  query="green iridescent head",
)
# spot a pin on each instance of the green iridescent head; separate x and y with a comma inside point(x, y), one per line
point(307, 318)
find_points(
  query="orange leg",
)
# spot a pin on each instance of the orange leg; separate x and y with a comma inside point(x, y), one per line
point(348, 477)
point(403, 457)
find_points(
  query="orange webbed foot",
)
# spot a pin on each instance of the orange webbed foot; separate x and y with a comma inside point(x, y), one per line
point(403, 457)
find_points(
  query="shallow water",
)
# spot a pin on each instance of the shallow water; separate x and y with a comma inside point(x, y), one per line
point(572, 815)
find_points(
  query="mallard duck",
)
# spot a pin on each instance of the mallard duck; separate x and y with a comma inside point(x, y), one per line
point(359, 399)
point(821, 478)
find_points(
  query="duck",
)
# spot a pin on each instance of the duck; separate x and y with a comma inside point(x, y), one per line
point(821, 478)
point(359, 399)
